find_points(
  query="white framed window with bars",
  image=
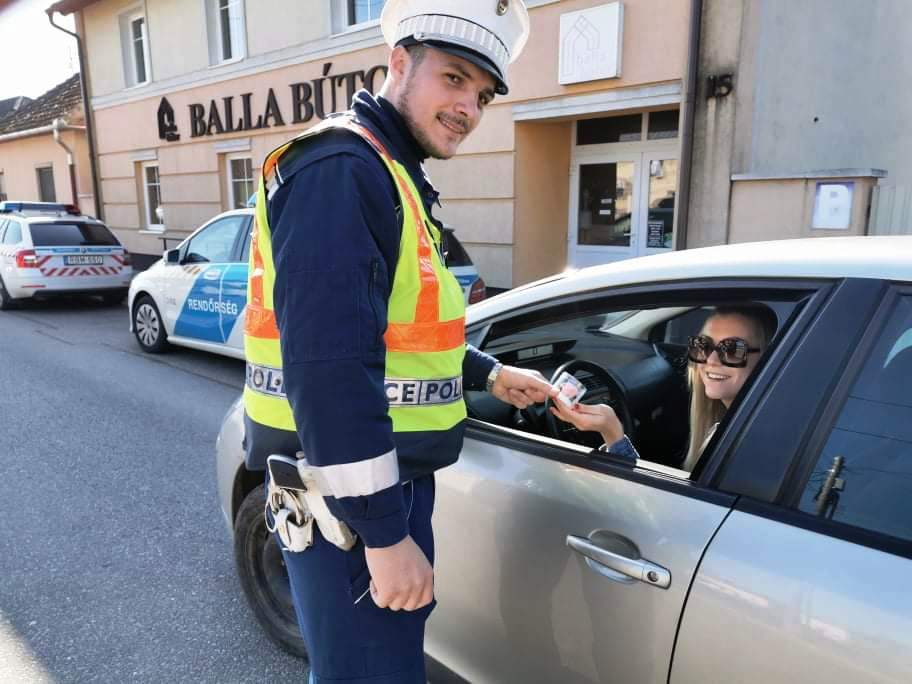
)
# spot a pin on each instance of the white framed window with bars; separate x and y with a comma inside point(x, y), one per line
point(363, 11)
point(241, 181)
point(134, 38)
point(152, 197)
point(227, 29)
point(348, 15)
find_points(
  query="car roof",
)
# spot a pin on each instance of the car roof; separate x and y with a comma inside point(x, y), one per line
point(886, 257)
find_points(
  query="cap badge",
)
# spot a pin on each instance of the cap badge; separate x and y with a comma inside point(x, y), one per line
point(502, 6)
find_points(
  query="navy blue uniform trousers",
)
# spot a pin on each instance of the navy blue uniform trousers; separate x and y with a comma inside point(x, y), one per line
point(350, 639)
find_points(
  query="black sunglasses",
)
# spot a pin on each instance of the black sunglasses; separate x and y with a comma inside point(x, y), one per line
point(732, 351)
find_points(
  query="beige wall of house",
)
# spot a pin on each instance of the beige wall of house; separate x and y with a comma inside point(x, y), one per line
point(20, 159)
point(507, 192)
point(786, 207)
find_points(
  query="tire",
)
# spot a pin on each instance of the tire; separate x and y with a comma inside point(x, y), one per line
point(6, 301)
point(148, 327)
point(264, 579)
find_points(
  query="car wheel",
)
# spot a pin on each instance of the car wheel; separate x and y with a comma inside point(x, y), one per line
point(6, 301)
point(148, 326)
point(263, 576)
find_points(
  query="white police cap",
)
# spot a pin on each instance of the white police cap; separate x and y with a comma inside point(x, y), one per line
point(488, 33)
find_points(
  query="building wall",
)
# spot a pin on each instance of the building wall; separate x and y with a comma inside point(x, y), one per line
point(512, 238)
point(176, 46)
point(20, 158)
point(788, 204)
point(103, 45)
point(276, 24)
point(818, 86)
point(835, 87)
point(542, 199)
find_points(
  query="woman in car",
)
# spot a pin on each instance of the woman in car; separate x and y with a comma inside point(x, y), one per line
point(722, 357)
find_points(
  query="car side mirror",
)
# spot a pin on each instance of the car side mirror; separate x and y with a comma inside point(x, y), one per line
point(172, 256)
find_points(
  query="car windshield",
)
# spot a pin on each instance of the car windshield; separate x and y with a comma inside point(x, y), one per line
point(455, 252)
point(67, 234)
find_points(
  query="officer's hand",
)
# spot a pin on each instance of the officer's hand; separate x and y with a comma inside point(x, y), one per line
point(521, 387)
point(402, 577)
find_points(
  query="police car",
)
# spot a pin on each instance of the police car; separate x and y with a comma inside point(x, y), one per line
point(196, 294)
point(49, 249)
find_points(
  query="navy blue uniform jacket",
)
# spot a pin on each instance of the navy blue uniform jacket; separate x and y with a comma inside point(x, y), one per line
point(335, 240)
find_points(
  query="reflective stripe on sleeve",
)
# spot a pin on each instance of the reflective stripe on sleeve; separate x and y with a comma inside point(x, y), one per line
point(358, 479)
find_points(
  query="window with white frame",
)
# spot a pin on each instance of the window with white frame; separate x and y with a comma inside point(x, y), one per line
point(227, 30)
point(134, 37)
point(151, 184)
point(46, 190)
point(240, 181)
point(360, 11)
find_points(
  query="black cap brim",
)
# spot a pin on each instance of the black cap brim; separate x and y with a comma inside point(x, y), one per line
point(500, 83)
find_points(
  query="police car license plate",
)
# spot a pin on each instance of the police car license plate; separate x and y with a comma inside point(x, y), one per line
point(83, 260)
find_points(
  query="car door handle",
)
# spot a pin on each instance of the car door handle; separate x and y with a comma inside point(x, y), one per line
point(637, 569)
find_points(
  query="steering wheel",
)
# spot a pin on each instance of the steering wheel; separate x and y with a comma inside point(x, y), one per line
point(609, 389)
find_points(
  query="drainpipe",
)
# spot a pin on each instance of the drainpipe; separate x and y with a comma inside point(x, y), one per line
point(90, 127)
point(687, 122)
point(71, 164)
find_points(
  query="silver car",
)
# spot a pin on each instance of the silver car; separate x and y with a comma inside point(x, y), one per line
point(782, 556)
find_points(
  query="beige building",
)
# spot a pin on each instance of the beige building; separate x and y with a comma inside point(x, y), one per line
point(578, 165)
point(44, 155)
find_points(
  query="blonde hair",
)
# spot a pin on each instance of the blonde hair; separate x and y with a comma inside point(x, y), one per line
point(705, 413)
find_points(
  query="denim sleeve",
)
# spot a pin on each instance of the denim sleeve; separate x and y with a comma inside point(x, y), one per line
point(334, 234)
point(623, 448)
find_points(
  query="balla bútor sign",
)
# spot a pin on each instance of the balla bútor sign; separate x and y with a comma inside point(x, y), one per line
point(250, 112)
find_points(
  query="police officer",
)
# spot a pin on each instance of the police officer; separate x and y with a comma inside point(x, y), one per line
point(359, 328)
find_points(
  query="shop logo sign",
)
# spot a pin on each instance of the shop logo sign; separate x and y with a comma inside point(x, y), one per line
point(591, 43)
point(167, 126)
point(318, 98)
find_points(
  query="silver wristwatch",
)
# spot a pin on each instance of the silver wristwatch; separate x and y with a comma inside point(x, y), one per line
point(492, 376)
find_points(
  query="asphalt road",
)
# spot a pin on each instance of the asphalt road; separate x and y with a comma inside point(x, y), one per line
point(115, 564)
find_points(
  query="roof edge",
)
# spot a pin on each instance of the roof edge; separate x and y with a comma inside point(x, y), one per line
point(69, 6)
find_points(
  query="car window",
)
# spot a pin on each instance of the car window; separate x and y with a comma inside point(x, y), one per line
point(647, 381)
point(454, 252)
point(213, 244)
point(245, 249)
point(2, 230)
point(13, 235)
point(864, 474)
point(68, 234)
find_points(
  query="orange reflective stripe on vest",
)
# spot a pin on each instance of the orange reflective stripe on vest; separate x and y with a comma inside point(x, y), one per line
point(426, 333)
point(259, 319)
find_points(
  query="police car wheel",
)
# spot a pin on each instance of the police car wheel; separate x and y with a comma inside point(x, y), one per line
point(6, 302)
point(263, 576)
point(148, 326)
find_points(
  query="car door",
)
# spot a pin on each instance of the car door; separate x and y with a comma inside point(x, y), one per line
point(806, 580)
point(560, 564)
point(205, 260)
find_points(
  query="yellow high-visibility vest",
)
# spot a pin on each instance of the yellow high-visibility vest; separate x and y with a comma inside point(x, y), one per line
point(425, 335)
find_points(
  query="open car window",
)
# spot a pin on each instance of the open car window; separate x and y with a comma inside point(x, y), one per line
point(634, 359)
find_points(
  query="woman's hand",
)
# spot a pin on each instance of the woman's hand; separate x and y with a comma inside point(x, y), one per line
point(599, 418)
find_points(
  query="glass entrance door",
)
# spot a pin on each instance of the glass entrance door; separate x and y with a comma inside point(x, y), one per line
point(603, 211)
point(621, 207)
